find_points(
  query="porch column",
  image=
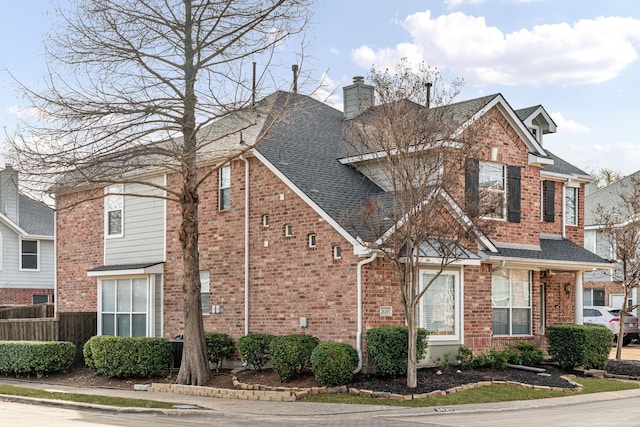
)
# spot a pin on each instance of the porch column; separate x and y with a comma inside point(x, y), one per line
point(578, 299)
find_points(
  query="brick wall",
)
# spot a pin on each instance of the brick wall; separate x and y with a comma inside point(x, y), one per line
point(22, 296)
point(80, 229)
point(288, 280)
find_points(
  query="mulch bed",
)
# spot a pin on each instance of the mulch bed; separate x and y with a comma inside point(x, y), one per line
point(429, 379)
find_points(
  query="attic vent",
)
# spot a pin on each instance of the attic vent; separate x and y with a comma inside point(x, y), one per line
point(281, 157)
point(312, 188)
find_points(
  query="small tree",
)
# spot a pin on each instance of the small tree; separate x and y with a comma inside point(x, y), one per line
point(620, 223)
point(410, 144)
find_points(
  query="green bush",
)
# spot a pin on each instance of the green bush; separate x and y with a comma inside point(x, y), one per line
point(464, 356)
point(580, 345)
point(254, 349)
point(291, 354)
point(387, 348)
point(127, 357)
point(334, 363)
point(219, 347)
point(35, 357)
point(526, 354)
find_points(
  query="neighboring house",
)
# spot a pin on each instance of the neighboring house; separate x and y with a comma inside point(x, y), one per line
point(603, 287)
point(278, 256)
point(27, 257)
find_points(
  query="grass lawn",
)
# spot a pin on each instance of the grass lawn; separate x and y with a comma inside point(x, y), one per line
point(480, 395)
point(82, 398)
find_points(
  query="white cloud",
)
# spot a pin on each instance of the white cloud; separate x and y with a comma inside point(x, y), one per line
point(589, 51)
point(568, 126)
point(21, 113)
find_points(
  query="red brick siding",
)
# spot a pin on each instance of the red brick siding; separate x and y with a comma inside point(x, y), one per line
point(22, 296)
point(80, 246)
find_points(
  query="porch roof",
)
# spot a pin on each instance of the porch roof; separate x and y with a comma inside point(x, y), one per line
point(126, 269)
point(559, 254)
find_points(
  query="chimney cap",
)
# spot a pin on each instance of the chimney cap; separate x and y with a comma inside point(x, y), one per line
point(358, 79)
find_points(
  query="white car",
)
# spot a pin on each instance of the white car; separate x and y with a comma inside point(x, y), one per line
point(610, 317)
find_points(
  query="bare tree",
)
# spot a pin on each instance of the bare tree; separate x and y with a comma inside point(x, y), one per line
point(138, 85)
point(410, 144)
point(605, 176)
point(620, 224)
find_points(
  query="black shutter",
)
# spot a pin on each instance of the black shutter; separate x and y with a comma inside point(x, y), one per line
point(471, 182)
point(513, 197)
point(548, 200)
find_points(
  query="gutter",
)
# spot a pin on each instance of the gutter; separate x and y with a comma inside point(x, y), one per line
point(246, 245)
point(361, 264)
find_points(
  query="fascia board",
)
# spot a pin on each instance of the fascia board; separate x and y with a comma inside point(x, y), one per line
point(15, 227)
point(542, 264)
point(555, 176)
point(513, 119)
point(358, 247)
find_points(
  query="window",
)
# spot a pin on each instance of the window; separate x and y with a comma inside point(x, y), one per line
point(511, 302)
point(337, 252)
point(29, 254)
point(288, 230)
point(114, 204)
point(265, 220)
point(225, 188)
point(124, 307)
point(594, 297)
point(571, 206)
point(39, 299)
point(312, 240)
point(440, 308)
point(205, 291)
point(491, 190)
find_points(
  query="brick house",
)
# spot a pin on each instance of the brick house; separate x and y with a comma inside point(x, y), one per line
point(276, 255)
point(27, 259)
point(603, 287)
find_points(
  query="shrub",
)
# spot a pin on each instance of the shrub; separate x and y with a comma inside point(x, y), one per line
point(387, 348)
point(525, 353)
point(291, 354)
point(580, 345)
point(127, 357)
point(464, 356)
point(493, 359)
point(35, 357)
point(334, 363)
point(219, 347)
point(254, 349)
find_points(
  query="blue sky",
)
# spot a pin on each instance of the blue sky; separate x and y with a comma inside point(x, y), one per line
point(580, 62)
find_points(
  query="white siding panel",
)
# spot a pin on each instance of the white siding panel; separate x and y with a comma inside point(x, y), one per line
point(11, 276)
point(144, 228)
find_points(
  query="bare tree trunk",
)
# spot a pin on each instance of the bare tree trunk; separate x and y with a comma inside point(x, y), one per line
point(412, 365)
point(194, 368)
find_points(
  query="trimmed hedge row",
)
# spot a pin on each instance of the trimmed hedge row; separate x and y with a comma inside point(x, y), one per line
point(35, 357)
point(127, 357)
point(334, 363)
point(291, 354)
point(580, 345)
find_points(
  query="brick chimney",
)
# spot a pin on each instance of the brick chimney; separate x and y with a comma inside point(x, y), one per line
point(9, 193)
point(357, 98)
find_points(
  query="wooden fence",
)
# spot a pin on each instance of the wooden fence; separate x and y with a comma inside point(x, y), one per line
point(73, 327)
point(27, 311)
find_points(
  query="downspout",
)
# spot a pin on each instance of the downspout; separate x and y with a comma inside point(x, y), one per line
point(361, 264)
point(499, 266)
point(246, 245)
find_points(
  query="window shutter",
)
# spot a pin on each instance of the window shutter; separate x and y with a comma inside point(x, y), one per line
point(471, 181)
point(513, 198)
point(548, 201)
